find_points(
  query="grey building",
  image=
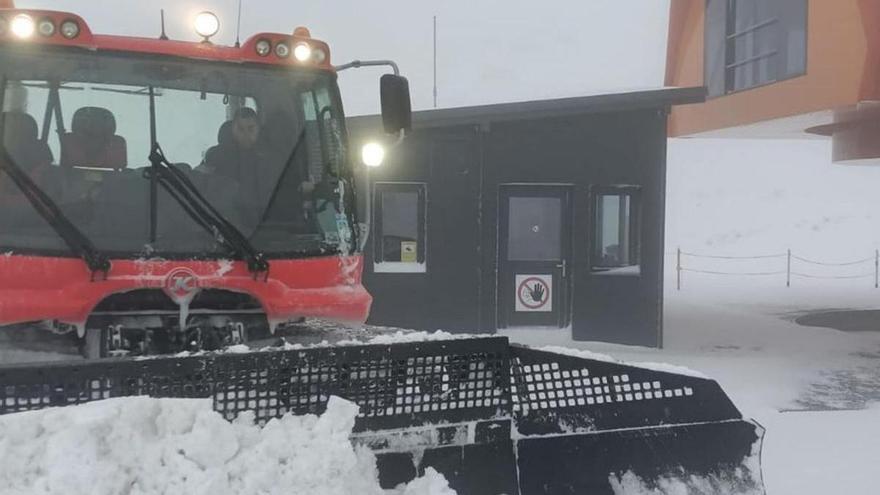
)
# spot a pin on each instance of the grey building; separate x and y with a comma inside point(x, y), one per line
point(535, 214)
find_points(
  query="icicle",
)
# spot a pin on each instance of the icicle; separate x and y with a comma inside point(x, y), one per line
point(184, 313)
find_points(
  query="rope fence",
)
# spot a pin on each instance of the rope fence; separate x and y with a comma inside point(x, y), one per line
point(800, 272)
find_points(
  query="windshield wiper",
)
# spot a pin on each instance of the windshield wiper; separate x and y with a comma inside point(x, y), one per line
point(78, 242)
point(193, 203)
point(181, 188)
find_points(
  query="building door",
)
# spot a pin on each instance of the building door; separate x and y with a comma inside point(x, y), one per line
point(534, 256)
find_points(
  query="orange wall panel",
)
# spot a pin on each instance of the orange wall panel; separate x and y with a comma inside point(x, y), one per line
point(684, 60)
point(837, 68)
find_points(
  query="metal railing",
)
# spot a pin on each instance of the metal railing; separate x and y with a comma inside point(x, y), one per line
point(795, 266)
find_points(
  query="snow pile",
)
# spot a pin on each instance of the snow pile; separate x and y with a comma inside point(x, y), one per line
point(145, 446)
point(432, 483)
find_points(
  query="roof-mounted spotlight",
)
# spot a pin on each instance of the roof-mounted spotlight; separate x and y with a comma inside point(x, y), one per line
point(46, 27)
point(282, 49)
point(263, 47)
point(302, 52)
point(23, 26)
point(207, 24)
point(69, 29)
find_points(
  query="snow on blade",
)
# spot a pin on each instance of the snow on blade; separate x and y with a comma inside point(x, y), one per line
point(661, 367)
point(405, 337)
point(736, 482)
point(156, 446)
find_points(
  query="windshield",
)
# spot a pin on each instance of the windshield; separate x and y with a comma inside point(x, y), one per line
point(264, 145)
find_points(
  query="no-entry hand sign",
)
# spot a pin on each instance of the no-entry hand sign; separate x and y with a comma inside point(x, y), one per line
point(534, 293)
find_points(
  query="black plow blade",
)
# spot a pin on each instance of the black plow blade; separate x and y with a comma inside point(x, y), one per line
point(699, 459)
point(492, 417)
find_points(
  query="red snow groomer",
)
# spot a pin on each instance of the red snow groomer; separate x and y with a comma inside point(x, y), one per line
point(158, 196)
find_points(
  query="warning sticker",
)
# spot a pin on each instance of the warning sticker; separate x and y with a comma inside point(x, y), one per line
point(534, 293)
point(409, 252)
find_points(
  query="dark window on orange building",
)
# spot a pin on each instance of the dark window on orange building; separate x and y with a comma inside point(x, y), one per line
point(750, 43)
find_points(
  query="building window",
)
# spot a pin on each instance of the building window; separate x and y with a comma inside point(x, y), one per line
point(750, 43)
point(399, 227)
point(616, 234)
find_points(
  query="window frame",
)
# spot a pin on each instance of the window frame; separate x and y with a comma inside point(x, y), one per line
point(379, 263)
point(634, 229)
point(730, 34)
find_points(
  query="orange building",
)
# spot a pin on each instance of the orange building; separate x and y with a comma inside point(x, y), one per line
point(780, 69)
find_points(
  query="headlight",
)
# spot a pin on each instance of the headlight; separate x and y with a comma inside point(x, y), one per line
point(282, 50)
point(46, 27)
point(302, 52)
point(69, 29)
point(23, 26)
point(263, 47)
point(207, 24)
point(373, 154)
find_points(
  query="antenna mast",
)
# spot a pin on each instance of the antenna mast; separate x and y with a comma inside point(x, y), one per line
point(238, 28)
point(435, 61)
point(162, 36)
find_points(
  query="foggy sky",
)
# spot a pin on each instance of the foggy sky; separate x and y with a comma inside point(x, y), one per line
point(489, 51)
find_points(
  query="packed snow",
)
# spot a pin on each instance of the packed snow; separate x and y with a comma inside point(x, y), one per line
point(140, 445)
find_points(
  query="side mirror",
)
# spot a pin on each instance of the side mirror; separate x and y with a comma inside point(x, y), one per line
point(396, 105)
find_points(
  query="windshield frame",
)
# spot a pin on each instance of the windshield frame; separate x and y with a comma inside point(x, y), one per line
point(344, 175)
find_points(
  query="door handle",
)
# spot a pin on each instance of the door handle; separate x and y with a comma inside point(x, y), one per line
point(564, 266)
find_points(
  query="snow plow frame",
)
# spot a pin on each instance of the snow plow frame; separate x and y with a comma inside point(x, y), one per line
point(491, 416)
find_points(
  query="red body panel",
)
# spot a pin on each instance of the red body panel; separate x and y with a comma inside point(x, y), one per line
point(34, 288)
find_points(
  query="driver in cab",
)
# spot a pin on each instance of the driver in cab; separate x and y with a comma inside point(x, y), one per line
point(246, 156)
point(236, 153)
point(257, 161)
